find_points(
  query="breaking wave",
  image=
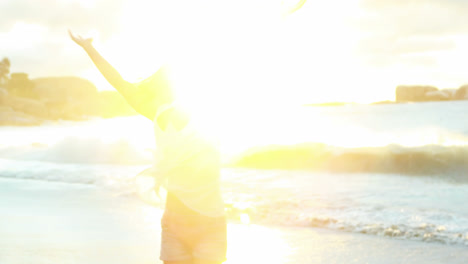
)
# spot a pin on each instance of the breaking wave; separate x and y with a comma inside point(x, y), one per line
point(395, 159)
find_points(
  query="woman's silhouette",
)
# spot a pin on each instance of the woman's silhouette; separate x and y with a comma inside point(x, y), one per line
point(187, 165)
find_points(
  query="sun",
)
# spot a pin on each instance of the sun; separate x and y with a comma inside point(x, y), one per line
point(246, 53)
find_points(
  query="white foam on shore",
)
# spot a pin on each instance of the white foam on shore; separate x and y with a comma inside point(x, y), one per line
point(374, 204)
point(367, 203)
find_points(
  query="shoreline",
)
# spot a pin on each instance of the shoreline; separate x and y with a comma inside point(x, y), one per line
point(14, 118)
point(47, 222)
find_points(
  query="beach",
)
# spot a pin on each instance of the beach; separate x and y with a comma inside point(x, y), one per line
point(53, 222)
point(338, 132)
point(336, 185)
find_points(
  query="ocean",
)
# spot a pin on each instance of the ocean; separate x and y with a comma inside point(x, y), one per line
point(397, 171)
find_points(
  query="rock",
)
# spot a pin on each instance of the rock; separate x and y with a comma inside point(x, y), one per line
point(64, 89)
point(9, 117)
point(413, 93)
point(20, 85)
point(462, 93)
point(4, 70)
point(3, 95)
point(437, 96)
point(70, 98)
point(25, 105)
point(450, 92)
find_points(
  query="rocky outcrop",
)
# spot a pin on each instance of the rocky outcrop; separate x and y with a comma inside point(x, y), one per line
point(462, 93)
point(26, 102)
point(413, 93)
point(4, 70)
point(10, 117)
point(16, 111)
point(416, 93)
point(437, 96)
point(20, 85)
point(3, 95)
point(23, 105)
point(74, 98)
point(64, 89)
point(450, 92)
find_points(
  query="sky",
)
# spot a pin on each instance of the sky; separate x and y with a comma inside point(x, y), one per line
point(334, 50)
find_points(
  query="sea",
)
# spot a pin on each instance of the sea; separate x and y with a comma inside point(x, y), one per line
point(398, 171)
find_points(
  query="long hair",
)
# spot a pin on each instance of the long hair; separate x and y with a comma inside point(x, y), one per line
point(158, 86)
point(151, 93)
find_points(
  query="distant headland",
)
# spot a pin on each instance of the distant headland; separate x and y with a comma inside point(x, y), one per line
point(27, 102)
point(415, 93)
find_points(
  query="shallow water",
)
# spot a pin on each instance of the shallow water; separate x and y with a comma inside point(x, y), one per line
point(418, 204)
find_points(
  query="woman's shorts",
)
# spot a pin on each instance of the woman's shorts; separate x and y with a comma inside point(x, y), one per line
point(192, 236)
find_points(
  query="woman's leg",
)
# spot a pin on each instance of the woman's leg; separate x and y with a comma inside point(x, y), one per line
point(212, 245)
point(198, 261)
point(179, 262)
point(187, 234)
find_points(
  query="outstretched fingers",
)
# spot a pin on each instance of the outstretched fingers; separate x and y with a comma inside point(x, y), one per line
point(78, 39)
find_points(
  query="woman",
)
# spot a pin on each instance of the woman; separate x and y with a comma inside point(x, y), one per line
point(187, 165)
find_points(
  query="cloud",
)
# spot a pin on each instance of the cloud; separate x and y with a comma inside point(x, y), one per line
point(396, 37)
point(420, 17)
point(387, 50)
point(398, 30)
point(33, 34)
point(102, 15)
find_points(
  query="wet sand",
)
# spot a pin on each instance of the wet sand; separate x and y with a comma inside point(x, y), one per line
point(45, 222)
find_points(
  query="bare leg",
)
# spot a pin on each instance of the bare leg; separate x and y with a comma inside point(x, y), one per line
point(198, 261)
point(179, 262)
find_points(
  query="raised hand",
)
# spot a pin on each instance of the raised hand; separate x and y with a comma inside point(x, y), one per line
point(291, 9)
point(83, 42)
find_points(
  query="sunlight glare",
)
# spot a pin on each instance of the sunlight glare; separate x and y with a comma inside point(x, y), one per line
point(84, 3)
point(264, 245)
point(245, 218)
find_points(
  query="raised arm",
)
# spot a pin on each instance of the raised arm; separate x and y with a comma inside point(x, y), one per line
point(142, 98)
point(106, 69)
